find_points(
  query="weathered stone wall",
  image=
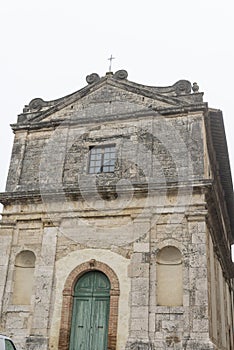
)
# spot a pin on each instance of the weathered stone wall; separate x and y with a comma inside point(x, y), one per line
point(153, 149)
point(23, 235)
point(220, 301)
point(73, 221)
point(105, 115)
point(128, 241)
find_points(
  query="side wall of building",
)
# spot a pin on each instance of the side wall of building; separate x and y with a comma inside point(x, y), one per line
point(220, 301)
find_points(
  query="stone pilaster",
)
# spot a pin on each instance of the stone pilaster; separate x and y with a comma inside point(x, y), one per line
point(44, 283)
point(198, 283)
point(17, 159)
point(139, 273)
point(6, 233)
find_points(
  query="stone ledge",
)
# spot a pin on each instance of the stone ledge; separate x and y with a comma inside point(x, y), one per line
point(140, 188)
point(155, 112)
point(169, 310)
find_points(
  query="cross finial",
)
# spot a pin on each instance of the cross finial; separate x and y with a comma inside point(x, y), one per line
point(110, 59)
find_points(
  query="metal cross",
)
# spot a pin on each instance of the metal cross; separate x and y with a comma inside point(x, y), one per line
point(110, 59)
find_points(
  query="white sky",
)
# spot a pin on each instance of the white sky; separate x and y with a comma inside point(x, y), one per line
point(48, 47)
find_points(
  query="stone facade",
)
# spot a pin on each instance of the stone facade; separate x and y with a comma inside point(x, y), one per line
point(159, 225)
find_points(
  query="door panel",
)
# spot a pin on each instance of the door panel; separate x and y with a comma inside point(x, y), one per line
point(81, 324)
point(91, 306)
point(100, 322)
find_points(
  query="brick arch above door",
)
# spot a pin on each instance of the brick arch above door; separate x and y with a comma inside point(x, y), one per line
point(66, 316)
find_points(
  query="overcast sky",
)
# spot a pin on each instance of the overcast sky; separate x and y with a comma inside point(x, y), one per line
point(48, 47)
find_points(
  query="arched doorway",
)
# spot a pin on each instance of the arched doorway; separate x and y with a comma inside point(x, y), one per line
point(90, 313)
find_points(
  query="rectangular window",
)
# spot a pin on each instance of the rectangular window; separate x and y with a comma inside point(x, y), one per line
point(102, 159)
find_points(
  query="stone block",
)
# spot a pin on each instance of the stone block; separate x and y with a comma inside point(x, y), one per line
point(201, 325)
point(140, 310)
point(141, 247)
point(36, 342)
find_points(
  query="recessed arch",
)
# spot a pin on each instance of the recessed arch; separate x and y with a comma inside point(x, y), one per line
point(67, 304)
point(23, 277)
point(169, 277)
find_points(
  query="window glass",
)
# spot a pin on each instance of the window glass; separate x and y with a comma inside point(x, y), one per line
point(102, 159)
point(9, 345)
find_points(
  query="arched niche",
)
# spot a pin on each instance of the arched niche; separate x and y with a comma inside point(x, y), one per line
point(23, 277)
point(169, 277)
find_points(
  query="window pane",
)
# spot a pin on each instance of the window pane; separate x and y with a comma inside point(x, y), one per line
point(102, 159)
point(9, 345)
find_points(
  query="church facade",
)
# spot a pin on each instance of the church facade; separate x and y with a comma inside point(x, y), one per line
point(118, 221)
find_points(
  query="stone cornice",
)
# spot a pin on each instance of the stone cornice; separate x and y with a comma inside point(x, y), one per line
point(145, 113)
point(7, 225)
point(106, 192)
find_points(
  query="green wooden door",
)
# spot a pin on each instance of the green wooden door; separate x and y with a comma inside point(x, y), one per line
point(90, 316)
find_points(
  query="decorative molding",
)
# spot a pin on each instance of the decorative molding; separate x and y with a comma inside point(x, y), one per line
point(195, 88)
point(92, 263)
point(36, 104)
point(121, 74)
point(73, 192)
point(92, 78)
point(182, 87)
point(139, 345)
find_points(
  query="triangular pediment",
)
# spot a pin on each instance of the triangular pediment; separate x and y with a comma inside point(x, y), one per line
point(110, 95)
